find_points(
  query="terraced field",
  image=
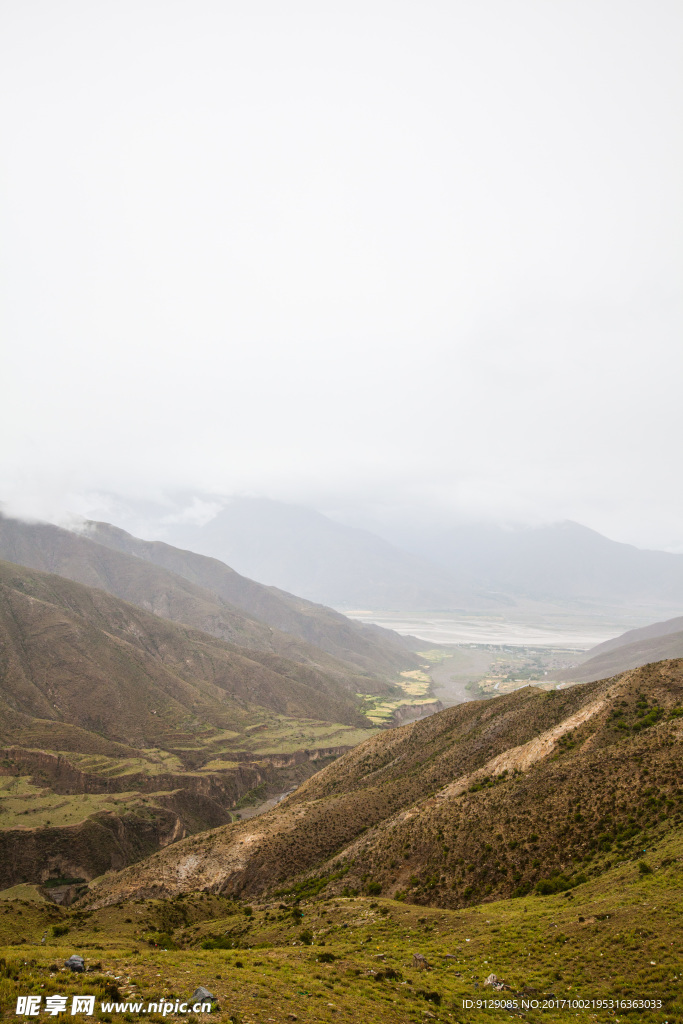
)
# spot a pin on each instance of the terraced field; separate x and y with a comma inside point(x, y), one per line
point(416, 686)
point(25, 805)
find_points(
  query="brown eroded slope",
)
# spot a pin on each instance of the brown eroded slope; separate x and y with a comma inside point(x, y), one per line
point(368, 647)
point(476, 802)
point(180, 590)
point(75, 655)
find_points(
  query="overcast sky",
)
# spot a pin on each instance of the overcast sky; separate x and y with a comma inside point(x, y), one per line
point(366, 256)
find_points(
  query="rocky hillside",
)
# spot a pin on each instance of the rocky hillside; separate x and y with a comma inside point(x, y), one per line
point(535, 789)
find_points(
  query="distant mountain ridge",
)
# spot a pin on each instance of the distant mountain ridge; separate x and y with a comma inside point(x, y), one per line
point(560, 562)
point(369, 647)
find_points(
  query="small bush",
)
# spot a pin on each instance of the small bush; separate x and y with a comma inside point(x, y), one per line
point(217, 942)
point(388, 974)
point(549, 886)
point(521, 890)
point(432, 997)
point(644, 868)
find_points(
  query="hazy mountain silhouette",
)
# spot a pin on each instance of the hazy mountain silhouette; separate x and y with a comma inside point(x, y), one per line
point(562, 562)
point(305, 552)
point(472, 568)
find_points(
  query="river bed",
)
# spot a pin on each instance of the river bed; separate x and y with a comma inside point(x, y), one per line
point(572, 634)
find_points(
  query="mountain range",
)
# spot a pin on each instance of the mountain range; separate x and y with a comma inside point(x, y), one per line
point(206, 594)
point(560, 562)
point(537, 834)
point(75, 656)
point(147, 693)
point(123, 731)
point(301, 550)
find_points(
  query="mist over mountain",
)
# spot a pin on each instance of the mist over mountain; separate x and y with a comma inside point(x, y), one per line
point(476, 568)
point(315, 313)
point(557, 562)
point(301, 550)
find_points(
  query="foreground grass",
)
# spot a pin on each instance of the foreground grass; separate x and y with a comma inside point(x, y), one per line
point(614, 938)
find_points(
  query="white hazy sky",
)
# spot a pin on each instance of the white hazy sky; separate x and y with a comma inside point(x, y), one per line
point(361, 255)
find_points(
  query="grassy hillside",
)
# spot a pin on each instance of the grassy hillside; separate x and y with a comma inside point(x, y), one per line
point(537, 837)
point(586, 956)
point(482, 801)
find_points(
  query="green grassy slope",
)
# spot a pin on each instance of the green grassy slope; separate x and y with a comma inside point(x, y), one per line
point(584, 957)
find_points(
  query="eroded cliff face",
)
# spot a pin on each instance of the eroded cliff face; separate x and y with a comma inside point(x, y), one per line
point(415, 712)
point(171, 806)
point(98, 844)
